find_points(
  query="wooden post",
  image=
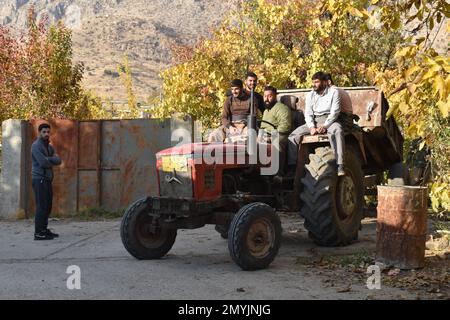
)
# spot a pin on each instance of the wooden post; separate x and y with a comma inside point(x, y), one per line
point(402, 226)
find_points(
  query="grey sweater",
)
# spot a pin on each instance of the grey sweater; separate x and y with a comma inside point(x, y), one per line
point(43, 159)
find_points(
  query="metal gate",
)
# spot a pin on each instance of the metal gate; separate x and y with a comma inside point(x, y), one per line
point(105, 164)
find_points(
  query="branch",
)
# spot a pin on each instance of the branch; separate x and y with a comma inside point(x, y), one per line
point(405, 85)
point(402, 87)
point(437, 32)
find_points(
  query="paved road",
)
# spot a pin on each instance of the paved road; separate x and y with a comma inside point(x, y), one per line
point(198, 266)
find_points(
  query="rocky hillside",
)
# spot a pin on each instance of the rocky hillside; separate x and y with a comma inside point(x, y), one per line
point(105, 30)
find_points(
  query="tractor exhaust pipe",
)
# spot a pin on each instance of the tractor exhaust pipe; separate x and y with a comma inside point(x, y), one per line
point(251, 126)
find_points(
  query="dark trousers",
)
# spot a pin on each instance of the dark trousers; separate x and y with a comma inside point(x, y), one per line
point(283, 138)
point(43, 194)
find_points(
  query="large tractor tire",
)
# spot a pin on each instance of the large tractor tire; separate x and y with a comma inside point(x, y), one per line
point(254, 237)
point(332, 206)
point(142, 236)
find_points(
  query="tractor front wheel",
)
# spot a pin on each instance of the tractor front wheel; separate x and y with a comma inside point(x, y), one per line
point(142, 235)
point(254, 236)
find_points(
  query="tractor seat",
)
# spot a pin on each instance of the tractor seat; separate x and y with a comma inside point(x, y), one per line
point(315, 138)
point(298, 118)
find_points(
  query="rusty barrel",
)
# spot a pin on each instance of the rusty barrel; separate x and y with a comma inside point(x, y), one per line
point(402, 226)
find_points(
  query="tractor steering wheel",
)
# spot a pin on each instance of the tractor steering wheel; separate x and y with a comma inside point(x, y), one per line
point(271, 124)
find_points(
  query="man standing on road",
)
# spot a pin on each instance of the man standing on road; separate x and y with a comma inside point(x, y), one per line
point(43, 159)
point(322, 108)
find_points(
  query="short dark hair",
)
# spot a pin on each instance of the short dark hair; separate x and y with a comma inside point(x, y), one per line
point(270, 88)
point(43, 126)
point(329, 78)
point(237, 83)
point(322, 76)
point(251, 74)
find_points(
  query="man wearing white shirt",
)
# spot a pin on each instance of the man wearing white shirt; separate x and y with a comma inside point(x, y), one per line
point(322, 108)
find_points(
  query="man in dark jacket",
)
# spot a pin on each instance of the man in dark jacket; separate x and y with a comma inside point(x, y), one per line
point(43, 159)
point(251, 82)
point(234, 114)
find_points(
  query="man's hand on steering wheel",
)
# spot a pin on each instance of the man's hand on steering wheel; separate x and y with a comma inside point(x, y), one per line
point(268, 123)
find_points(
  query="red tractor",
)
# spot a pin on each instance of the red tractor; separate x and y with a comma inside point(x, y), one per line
point(233, 194)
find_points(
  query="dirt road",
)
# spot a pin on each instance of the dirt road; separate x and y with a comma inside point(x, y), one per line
point(198, 267)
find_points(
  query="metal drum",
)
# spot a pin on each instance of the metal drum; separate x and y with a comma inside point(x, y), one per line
point(402, 226)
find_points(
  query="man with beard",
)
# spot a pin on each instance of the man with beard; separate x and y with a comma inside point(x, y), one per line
point(43, 159)
point(322, 108)
point(235, 111)
point(251, 82)
point(277, 116)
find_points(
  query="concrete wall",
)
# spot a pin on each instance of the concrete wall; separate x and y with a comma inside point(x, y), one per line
point(13, 177)
point(96, 171)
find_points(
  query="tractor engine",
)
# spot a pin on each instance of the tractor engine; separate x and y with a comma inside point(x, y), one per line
point(195, 171)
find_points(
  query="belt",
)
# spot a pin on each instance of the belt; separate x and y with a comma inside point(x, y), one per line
point(320, 117)
point(239, 117)
point(319, 120)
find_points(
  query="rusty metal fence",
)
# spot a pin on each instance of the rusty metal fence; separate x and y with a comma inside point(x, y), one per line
point(105, 164)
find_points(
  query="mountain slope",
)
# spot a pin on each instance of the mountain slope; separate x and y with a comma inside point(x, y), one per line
point(105, 30)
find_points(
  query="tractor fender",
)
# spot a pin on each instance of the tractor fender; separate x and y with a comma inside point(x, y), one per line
point(356, 139)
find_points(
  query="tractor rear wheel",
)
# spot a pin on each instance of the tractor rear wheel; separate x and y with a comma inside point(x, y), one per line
point(254, 236)
point(142, 235)
point(332, 206)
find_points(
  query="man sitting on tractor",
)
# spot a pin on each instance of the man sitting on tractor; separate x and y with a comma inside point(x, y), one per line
point(322, 108)
point(277, 116)
point(251, 82)
point(234, 115)
point(346, 115)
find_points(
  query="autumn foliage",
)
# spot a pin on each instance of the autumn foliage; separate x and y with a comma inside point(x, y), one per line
point(38, 77)
point(359, 42)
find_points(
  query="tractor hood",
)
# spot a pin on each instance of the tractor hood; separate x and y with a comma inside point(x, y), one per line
point(199, 149)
